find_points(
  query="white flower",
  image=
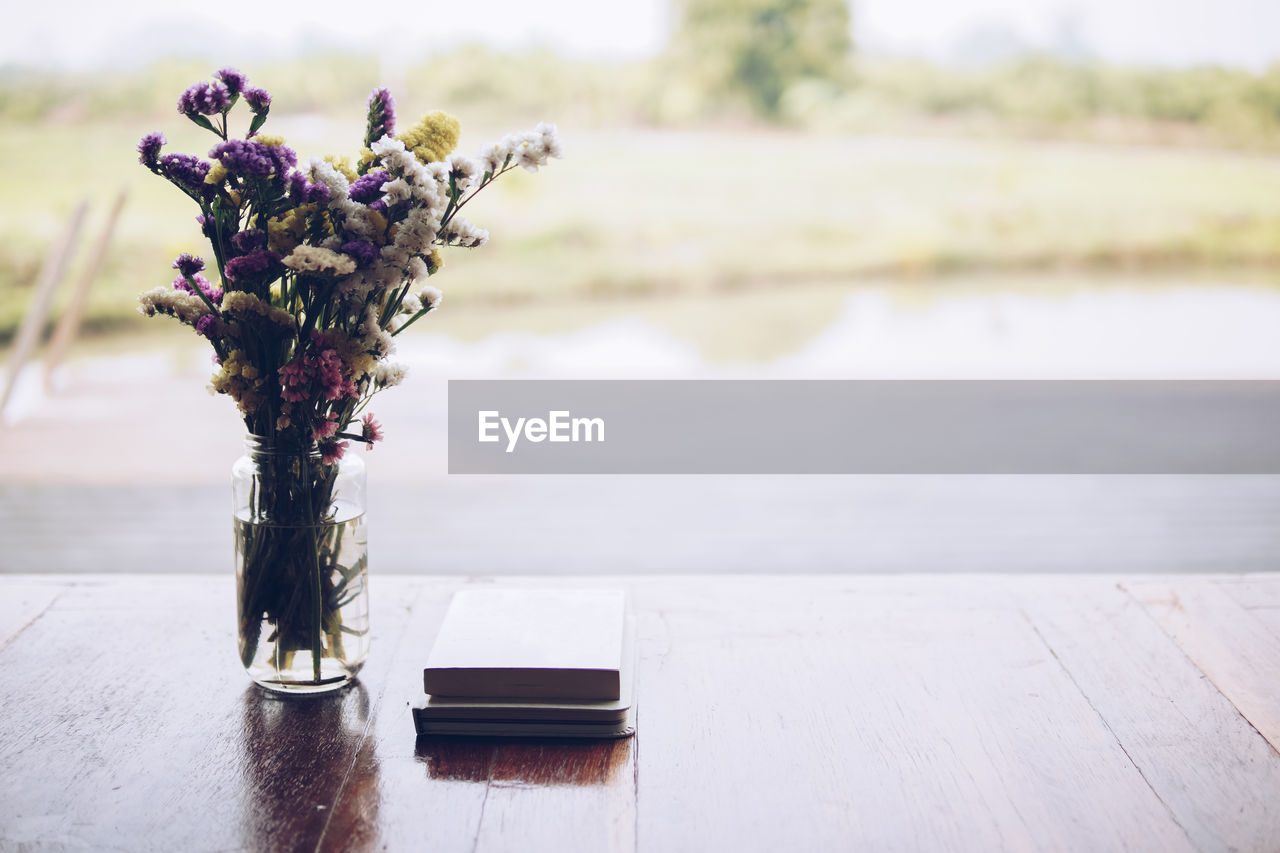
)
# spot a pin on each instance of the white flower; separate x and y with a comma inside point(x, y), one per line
point(431, 297)
point(493, 157)
point(463, 170)
point(354, 288)
point(315, 259)
point(381, 344)
point(410, 304)
point(427, 190)
point(368, 323)
point(360, 224)
point(417, 233)
point(393, 156)
point(394, 256)
point(386, 145)
point(531, 149)
point(460, 232)
point(550, 139)
point(187, 307)
point(528, 151)
point(396, 191)
point(388, 374)
point(416, 269)
point(324, 172)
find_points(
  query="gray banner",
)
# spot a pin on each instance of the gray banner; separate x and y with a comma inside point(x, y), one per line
point(864, 427)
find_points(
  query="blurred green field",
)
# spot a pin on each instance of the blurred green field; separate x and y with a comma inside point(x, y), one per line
point(651, 213)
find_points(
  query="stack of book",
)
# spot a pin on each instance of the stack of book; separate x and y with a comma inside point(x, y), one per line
point(547, 663)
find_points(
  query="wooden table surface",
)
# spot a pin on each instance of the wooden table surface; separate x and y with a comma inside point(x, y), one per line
point(912, 712)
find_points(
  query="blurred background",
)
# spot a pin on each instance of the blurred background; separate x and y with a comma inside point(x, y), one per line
point(751, 188)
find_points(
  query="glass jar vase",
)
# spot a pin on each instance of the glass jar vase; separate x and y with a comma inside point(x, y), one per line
point(301, 566)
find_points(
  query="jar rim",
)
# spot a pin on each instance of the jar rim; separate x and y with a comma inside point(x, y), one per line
point(273, 445)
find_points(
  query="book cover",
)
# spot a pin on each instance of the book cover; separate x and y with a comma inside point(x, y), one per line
point(529, 644)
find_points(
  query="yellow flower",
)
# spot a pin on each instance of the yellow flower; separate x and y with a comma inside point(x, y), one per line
point(241, 305)
point(343, 165)
point(239, 380)
point(269, 140)
point(432, 138)
point(357, 359)
point(217, 174)
point(285, 232)
point(434, 262)
point(379, 222)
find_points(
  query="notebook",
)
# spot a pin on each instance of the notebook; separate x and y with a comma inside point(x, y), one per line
point(537, 716)
point(529, 644)
point(527, 718)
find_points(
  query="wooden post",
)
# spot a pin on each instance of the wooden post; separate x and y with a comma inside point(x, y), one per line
point(69, 325)
point(51, 272)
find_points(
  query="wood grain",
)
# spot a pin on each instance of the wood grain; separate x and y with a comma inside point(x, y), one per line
point(1239, 653)
point(1194, 749)
point(870, 712)
point(24, 602)
point(1252, 592)
point(893, 721)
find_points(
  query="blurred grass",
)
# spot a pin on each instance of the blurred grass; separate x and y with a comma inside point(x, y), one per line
point(651, 213)
point(904, 171)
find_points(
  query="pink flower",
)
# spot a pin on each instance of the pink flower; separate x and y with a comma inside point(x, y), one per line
point(333, 384)
point(331, 451)
point(295, 380)
point(371, 430)
point(326, 428)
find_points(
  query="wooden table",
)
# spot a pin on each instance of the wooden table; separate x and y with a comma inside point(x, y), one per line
point(776, 713)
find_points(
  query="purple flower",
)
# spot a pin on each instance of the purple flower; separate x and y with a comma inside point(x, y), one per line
point(232, 79)
point(302, 191)
point(207, 225)
point(283, 157)
point(256, 265)
point(187, 171)
point(368, 188)
point(205, 324)
point(249, 240)
point(149, 149)
point(205, 99)
point(246, 158)
point(382, 116)
point(213, 294)
point(259, 100)
point(188, 264)
point(362, 251)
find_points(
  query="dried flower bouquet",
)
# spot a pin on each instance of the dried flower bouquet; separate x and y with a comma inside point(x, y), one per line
point(318, 268)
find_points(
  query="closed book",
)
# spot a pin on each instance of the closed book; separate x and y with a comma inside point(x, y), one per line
point(576, 718)
point(529, 644)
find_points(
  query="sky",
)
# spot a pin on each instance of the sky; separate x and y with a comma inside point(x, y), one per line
point(89, 34)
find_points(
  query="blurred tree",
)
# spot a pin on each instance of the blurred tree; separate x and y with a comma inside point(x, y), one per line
point(753, 50)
